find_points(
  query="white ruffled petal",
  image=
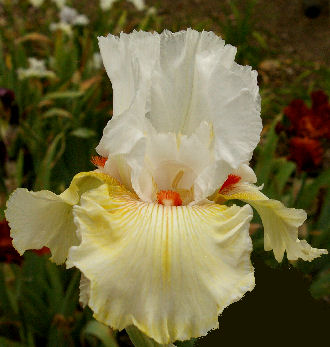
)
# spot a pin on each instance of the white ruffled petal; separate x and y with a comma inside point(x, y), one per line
point(171, 85)
point(197, 80)
point(184, 58)
point(280, 224)
point(128, 60)
point(237, 129)
point(170, 271)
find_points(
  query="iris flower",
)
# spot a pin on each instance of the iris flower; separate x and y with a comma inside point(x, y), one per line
point(69, 17)
point(36, 3)
point(37, 68)
point(59, 3)
point(107, 4)
point(309, 128)
point(149, 228)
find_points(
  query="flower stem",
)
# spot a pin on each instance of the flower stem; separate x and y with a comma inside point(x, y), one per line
point(301, 189)
point(141, 340)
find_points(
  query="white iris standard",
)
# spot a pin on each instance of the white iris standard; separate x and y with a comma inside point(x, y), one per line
point(148, 229)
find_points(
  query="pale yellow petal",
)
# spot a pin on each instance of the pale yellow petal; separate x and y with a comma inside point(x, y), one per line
point(43, 218)
point(280, 224)
point(83, 182)
point(170, 271)
point(40, 219)
point(84, 290)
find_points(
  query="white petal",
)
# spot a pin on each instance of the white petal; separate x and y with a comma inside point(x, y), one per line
point(246, 173)
point(175, 83)
point(280, 224)
point(106, 4)
point(197, 80)
point(174, 88)
point(124, 141)
point(170, 271)
point(237, 129)
point(117, 167)
point(139, 4)
point(167, 155)
point(128, 60)
point(121, 134)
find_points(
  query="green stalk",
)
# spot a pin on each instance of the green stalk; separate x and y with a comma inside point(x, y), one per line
point(301, 189)
point(140, 340)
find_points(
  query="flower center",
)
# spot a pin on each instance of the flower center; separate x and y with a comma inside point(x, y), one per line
point(169, 198)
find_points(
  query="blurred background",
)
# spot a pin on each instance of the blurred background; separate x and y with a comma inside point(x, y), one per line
point(55, 100)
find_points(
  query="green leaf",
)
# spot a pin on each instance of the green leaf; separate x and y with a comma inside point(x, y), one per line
point(100, 331)
point(121, 21)
point(57, 112)
point(266, 155)
point(19, 168)
point(261, 39)
point(141, 340)
point(4, 302)
point(321, 286)
point(310, 191)
point(324, 220)
point(4, 342)
point(83, 133)
point(30, 339)
point(284, 171)
point(70, 94)
point(70, 299)
point(52, 155)
point(189, 343)
point(11, 282)
point(55, 281)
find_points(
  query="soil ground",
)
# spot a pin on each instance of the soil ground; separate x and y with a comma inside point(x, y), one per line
point(283, 22)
